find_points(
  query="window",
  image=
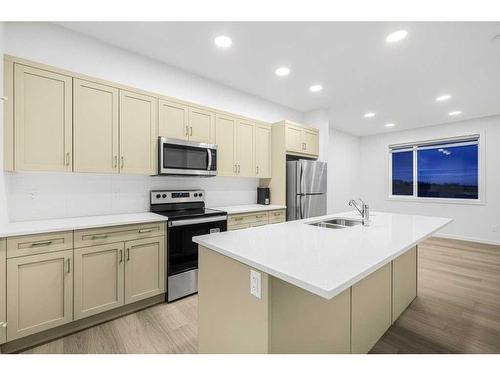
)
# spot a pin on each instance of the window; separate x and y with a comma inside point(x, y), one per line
point(446, 169)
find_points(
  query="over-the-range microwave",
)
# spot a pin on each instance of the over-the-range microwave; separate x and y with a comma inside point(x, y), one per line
point(178, 157)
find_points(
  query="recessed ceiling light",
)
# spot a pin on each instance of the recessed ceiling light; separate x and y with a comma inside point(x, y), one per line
point(282, 71)
point(442, 98)
point(369, 115)
point(454, 113)
point(396, 36)
point(315, 88)
point(389, 125)
point(223, 41)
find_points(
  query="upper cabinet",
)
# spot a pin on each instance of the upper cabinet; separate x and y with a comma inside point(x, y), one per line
point(180, 121)
point(43, 124)
point(262, 150)
point(225, 136)
point(245, 143)
point(138, 133)
point(301, 140)
point(95, 127)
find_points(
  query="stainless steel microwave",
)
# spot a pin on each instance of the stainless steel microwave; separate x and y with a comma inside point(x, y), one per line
point(177, 157)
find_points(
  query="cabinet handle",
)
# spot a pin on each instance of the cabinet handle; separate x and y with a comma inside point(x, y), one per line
point(235, 169)
point(128, 254)
point(116, 161)
point(122, 162)
point(190, 131)
point(238, 219)
point(68, 261)
point(239, 168)
point(99, 236)
point(67, 158)
point(187, 130)
point(305, 146)
point(257, 169)
point(145, 230)
point(121, 256)
point(37, 244)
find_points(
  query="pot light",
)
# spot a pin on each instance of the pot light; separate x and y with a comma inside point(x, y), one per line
point(396, 36)
point(223, 41)
point(369, 114)
point(389, 125)
point(454, 113)
point(442, 98)
point(282, 71)
point(315, 88)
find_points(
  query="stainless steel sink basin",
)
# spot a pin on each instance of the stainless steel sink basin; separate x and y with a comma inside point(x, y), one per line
point(337, 223)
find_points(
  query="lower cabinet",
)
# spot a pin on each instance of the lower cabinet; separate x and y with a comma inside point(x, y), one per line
point(255, 219)
point(99, 279)
point(3, 292)
point(404, 281)
point(40, 292)
point(144, 268)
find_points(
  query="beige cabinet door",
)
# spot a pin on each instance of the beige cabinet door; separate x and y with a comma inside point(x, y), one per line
point(173, 120)
point(201, 125)
point(138, 133)
point(144, 268)
point(42, 120)
point(294, 139)
point(262, 151)
point(370, 309)
point(245, 148)
point(99, 279)
point(225, 136)
point(404, 282)
point(3, 291)
point(311, 142)
point(95, 127)
point(40, 294)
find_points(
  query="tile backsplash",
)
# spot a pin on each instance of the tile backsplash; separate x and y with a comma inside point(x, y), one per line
point(36, 195)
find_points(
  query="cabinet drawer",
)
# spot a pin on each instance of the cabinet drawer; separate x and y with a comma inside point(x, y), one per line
point(33, 244)
point(277, 216)
point(237, 226)
point(248, 218)
point(100, 236)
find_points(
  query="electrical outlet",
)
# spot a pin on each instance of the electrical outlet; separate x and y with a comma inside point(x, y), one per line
point(255, 289)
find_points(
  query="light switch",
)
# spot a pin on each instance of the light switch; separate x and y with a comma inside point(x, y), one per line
point(255, 288)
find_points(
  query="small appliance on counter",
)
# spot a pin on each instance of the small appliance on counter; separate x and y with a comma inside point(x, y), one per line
point(187, 217)
point(263, 195)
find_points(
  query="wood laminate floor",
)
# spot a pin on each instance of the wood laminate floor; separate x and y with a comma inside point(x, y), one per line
point(457, 311)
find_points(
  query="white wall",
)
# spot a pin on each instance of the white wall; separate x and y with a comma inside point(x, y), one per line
point(472, 222)
point(3, 203)
point(343, 170)
point(50, 195)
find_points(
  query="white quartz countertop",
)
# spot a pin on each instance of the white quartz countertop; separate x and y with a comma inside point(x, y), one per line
point(248, 208)
point(324, 261)
point(73, 223)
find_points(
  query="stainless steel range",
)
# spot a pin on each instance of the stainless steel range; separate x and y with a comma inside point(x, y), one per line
point(187, 218)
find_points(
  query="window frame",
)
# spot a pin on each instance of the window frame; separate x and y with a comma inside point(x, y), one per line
point(481, 199)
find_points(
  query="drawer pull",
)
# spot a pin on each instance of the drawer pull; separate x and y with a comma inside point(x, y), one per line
point(99, 236)
point(68, 261)
point(121, 256)
point(145, 230)
point(238, 218)
point(128, 254)
point(38, 244)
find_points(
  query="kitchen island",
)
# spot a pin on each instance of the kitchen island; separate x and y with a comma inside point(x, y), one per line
point(300, 288)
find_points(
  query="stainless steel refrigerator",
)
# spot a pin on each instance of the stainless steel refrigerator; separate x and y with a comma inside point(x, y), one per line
point(305, 189)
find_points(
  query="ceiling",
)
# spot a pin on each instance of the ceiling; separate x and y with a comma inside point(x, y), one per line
point(359, 71)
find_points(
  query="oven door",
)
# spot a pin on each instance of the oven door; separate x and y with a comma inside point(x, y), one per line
point(182, 253)
point(178, 157)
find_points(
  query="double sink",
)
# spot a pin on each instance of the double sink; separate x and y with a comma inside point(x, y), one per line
point(337, 223)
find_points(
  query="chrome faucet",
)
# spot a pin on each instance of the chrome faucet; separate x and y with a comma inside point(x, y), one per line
point(364, 211)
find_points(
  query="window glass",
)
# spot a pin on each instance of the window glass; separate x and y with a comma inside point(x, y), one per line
point(402, 172)
point(448, 171)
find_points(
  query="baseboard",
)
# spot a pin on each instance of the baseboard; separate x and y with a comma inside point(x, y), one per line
point(468, 239)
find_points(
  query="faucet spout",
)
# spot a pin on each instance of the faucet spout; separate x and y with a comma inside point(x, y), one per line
point(363, 209)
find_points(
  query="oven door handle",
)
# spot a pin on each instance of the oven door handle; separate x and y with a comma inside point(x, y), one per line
point(178, 223)
point(209, 153)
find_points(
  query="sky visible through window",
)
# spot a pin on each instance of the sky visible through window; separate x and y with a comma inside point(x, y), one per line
point(442, 172)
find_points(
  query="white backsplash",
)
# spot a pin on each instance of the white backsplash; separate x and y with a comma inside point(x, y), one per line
point(33, 196)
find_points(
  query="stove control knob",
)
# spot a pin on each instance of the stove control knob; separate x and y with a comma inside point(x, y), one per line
point(195, 194)
point(164, 196)
point(200, 195)
point(158, 196)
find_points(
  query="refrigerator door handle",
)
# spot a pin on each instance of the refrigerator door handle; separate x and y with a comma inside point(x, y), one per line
point(301, 180)
point(301, 208)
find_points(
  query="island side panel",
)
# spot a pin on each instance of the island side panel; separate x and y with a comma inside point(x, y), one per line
point(404, 282)
point(230, 319)
point(302, 322)
point(371, 309)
